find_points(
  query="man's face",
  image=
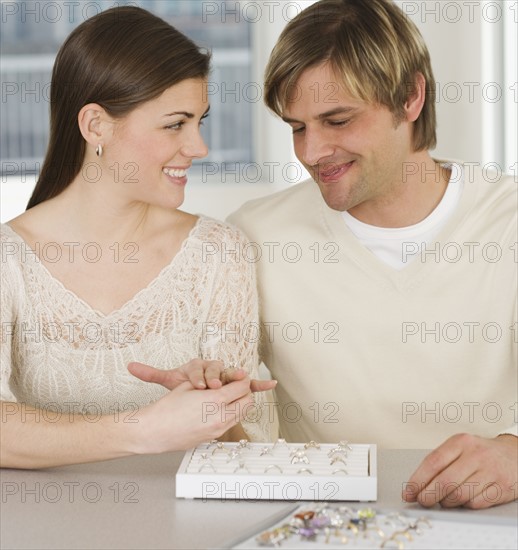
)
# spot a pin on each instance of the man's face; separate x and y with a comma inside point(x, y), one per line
point(353, 150)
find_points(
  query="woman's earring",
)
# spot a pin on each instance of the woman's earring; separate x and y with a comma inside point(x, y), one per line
point(99, 150)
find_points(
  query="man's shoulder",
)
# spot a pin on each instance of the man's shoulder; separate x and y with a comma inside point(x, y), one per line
point(276, 207)
point(496, 192)
point(493, 192)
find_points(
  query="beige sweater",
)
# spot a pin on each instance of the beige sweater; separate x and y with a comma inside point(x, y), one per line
point(57, 353)
point(370, 354)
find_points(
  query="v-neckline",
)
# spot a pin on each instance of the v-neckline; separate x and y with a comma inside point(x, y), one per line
point(84, 304)
point(384, 274)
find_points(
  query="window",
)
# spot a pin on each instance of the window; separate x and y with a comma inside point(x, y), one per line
point(510, 54)
point(499, 70)
point(32, 32)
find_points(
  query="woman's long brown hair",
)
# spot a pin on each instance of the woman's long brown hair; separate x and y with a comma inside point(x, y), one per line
point(119, 59)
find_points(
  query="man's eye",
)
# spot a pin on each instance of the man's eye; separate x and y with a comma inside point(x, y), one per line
point(339, 122)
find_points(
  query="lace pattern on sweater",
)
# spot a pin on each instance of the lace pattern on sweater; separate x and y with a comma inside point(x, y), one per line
point(57, 350)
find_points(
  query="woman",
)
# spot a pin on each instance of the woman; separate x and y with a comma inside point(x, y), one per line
point(103, 270)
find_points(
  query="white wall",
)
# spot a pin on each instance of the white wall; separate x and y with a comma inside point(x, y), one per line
point(455, 50)
point(464, 39)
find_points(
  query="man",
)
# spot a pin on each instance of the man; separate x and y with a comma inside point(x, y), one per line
point(388, 281)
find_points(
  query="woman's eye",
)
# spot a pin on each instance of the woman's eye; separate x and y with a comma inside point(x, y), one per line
point(175, 126)
point(203, 118)
point(298, 130)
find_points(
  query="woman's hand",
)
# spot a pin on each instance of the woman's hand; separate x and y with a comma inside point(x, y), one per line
point(201, 374)
point(185, 417)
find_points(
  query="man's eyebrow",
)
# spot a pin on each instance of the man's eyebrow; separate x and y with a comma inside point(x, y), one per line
point(337, 111)
point(332, 112)
point(186, 114)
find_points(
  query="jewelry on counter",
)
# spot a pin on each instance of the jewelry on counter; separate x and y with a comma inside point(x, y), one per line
point(300, 471)
point(204, 457)
point(299, 456)
point(234, 454)
point(241, 468)
point(220, 447)
point(280, 443)
point(273, 467)
point(265, 451)
point(342, 447)
point(207, 465)
point(392, 543)
point(404, 533)
point(321, 523)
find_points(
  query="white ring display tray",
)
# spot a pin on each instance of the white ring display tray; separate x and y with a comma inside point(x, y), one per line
point(278, 471)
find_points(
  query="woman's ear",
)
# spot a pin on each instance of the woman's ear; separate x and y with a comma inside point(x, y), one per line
point(91, 120)
point(415, 102)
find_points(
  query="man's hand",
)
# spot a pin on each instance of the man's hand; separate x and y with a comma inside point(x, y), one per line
point(469, 471)
point(201, 374)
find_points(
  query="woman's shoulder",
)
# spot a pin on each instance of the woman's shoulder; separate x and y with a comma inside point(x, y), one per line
point(14, 255)
point(10, 241)
point(6, 233)
point(24, 228)
point(211, 229)
point(18, 247)
point(217, 242)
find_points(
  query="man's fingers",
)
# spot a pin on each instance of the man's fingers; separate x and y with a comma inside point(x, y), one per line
point(489, 494)
point(463, 493)
point(213, 374)
point(451, 487)
point(196, 376)
point(419, 487)
point(232, 375)
point(202, 374)
point(436, 462)
point(262, 385)
point(477, 494)
point(468, 471)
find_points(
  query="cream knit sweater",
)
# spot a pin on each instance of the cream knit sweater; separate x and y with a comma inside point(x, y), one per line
point(57, 353)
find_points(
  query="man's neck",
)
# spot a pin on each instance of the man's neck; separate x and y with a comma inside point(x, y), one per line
point(410, 200)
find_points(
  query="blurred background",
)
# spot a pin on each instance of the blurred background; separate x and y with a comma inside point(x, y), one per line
point(473, 45)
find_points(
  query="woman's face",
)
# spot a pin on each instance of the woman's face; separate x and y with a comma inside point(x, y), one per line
point(153, 147)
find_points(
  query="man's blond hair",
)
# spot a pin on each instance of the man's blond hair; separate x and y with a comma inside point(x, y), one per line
point(371, 45)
